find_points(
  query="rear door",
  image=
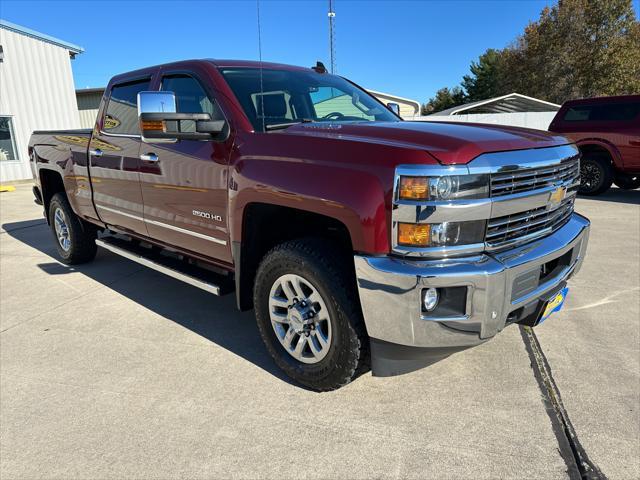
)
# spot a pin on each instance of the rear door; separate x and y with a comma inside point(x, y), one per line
point(184, 184)
point(114, 159)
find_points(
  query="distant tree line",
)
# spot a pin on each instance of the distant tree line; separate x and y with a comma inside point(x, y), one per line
point(576, 49)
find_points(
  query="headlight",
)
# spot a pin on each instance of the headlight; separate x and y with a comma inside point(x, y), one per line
point(448, 187)
point(447, 234)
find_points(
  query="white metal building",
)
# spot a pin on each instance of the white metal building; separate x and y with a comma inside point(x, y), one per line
point(88, 105)
point(36, 93)
point(408, 108)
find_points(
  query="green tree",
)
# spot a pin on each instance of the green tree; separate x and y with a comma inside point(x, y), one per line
point(486, 78)
point(444, 98)
point(577, 48)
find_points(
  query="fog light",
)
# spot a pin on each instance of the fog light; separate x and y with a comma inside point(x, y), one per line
point(430, 299)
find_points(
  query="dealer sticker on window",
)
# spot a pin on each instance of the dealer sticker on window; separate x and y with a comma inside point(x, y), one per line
point(555, 304)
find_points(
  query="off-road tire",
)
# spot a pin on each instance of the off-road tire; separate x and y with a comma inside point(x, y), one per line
point(322, 264)
point(595, 175)
point(82, 235)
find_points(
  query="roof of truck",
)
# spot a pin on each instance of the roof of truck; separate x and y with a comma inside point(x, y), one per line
point(215, 62)
point(596, 100)
point(253, 63)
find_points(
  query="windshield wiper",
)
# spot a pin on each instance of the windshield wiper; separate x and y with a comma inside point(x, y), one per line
point(282, 126)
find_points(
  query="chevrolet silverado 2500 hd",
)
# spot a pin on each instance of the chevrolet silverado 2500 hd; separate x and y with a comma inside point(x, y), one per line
point(354, 235)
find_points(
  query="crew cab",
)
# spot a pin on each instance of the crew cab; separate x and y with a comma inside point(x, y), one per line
point(359, 239)
point(607, 133)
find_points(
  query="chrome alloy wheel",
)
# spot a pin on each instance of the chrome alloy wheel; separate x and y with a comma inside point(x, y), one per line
point(300, 318)
point(62, 230)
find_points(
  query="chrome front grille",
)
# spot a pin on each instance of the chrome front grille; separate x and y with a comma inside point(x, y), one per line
point(510, 229)
point(527, 179)
point(531, 194)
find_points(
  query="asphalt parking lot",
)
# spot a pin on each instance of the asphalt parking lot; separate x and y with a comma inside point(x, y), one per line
point(110, 370)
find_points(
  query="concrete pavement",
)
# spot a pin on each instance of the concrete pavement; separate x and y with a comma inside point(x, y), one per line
point(110, 370)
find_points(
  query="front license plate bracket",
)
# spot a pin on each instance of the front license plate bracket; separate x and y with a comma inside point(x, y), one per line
point(538, 311)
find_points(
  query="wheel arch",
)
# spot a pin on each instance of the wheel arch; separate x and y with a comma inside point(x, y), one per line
point(50, 183)
point(266, 225)
point(597, 146)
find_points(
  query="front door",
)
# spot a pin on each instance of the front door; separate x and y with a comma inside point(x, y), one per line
point(114, 156)
point(184, 184)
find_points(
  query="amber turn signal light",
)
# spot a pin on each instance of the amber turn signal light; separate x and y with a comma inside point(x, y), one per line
point(152, 125)
point(414, 188)
point(414, 234)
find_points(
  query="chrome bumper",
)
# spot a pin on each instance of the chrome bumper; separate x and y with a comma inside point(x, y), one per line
point(390, 289)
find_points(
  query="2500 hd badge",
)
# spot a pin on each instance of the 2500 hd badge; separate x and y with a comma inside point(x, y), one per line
point(207, 215)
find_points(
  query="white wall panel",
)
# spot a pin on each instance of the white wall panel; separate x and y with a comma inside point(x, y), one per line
point(37, 91)
point(88, 118)
point(537, 120)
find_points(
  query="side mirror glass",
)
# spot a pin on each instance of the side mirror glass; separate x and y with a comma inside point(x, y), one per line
point(156, 102)
point(394, 107)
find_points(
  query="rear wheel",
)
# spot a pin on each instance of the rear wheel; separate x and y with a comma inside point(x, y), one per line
point(75, 240)
point(308, 315)
point(627, 182)
point(595, 175)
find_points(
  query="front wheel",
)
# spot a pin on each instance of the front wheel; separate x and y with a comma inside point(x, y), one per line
point(308, 315)
point(75, 240)
point(595, 175)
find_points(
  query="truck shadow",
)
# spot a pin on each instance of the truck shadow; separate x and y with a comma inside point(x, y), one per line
point(616, 195)
point(211, 317)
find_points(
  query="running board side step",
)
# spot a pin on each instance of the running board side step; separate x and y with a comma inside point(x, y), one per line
point(169, 266)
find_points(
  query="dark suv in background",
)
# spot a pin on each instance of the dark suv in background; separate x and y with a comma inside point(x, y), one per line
point(607, 132)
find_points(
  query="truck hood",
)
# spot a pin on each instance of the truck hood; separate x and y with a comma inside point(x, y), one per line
point(449, 142)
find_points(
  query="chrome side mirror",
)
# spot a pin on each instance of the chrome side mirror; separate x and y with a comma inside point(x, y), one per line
point(159, 121)
point(155, 102)
point(394, 107)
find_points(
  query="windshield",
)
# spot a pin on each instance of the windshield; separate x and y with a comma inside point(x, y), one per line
point(293, 96)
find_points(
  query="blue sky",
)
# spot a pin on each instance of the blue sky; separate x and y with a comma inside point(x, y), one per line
point(409, 48)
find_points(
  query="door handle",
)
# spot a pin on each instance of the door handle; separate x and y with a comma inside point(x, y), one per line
point(95, 152)
point(149, 157)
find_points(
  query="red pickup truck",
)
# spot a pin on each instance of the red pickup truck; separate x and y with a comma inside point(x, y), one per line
point(358, 238)
point(607, 133)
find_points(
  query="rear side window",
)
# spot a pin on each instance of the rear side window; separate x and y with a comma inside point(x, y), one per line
point(190, 96)
point(615, 112)
point(122, 110)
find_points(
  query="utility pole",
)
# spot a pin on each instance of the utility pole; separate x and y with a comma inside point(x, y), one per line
point(332, 16)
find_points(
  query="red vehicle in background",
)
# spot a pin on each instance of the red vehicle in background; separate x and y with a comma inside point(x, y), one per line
point(607, 132)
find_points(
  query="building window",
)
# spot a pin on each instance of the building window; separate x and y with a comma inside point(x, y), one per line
point(7, 140)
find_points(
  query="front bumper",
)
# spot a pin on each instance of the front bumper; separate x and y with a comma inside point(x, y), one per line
point(499, 289)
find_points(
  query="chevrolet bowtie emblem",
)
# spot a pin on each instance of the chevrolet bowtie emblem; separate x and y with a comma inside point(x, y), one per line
point(557, 196)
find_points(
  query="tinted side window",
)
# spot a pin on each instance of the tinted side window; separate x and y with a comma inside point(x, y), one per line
point(615, 112)
point(577, 114)
point(190, 96)
point(122, 109)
